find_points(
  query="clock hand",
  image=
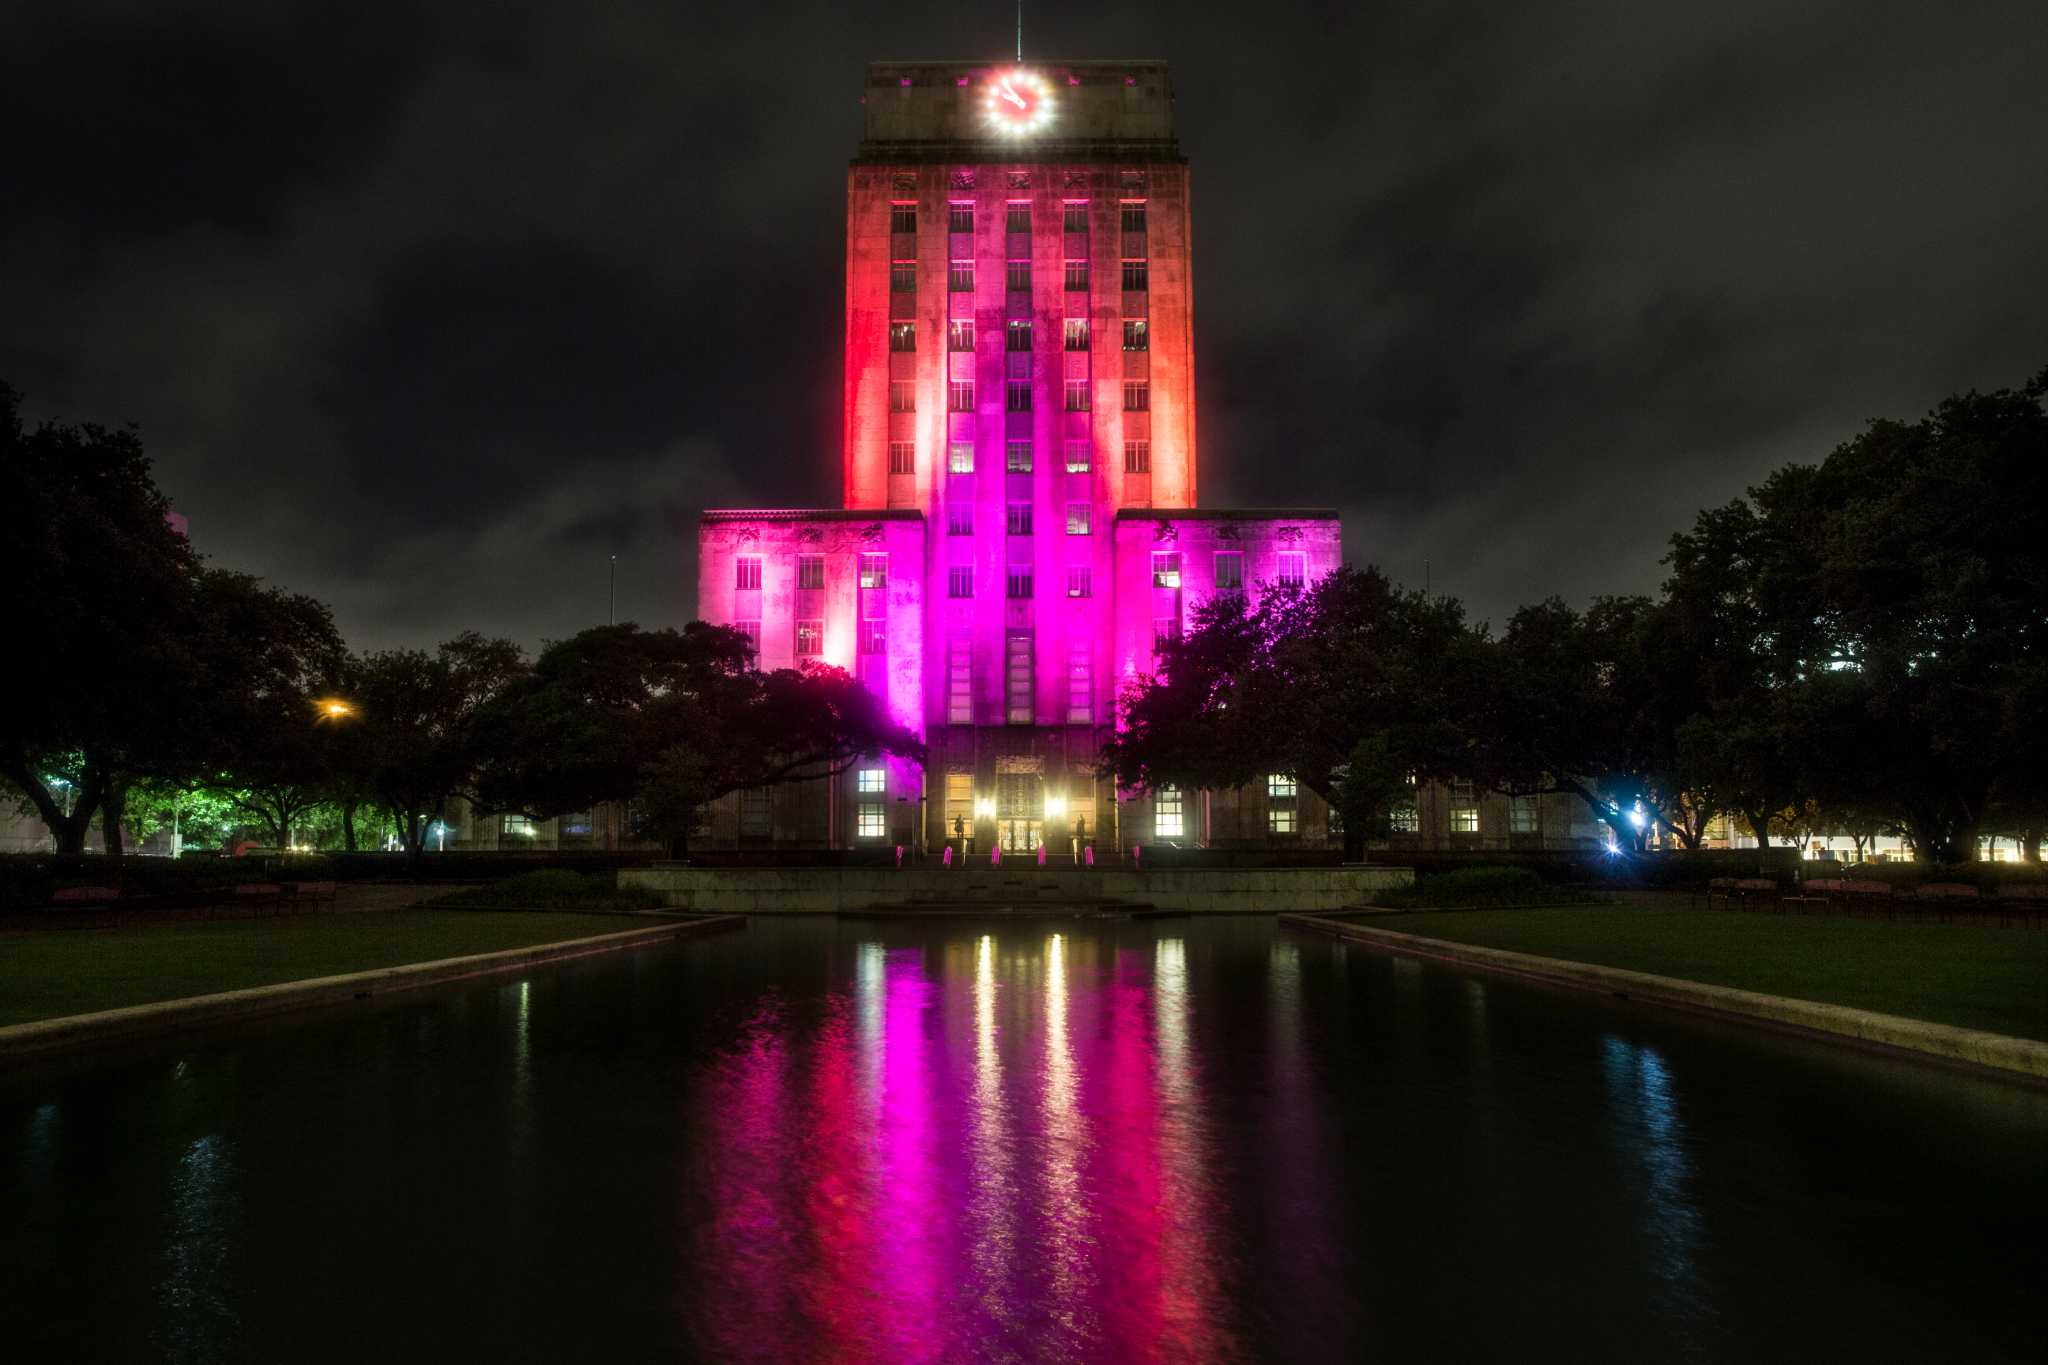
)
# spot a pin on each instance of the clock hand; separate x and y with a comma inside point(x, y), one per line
point(1011, 95)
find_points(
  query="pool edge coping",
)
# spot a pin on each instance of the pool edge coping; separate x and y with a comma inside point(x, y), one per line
point(42, 1038)
point(2007, 1056)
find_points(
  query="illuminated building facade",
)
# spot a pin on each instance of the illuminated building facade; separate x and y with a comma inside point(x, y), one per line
point(1020, 521)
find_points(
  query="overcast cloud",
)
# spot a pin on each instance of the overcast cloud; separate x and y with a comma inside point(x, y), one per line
point(429, 311)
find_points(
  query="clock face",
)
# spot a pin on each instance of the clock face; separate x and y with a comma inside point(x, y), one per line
point(1017, 101)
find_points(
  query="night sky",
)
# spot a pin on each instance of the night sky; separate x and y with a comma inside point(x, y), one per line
point(428, 310)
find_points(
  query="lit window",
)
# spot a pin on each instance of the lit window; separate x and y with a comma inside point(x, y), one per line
point(1074, 216)
point(902, 217)
point(1137, 334)
point(1077, 276)
point(960, 396)
point(1522, 815)
point(872, 821)
point(1017, 398)
point(810, 639)
point(1017, 457)
point(1137, 457)
point(902, 457)
point(810, 571)
point(1136, 276)
point(903, 336)
point(1137, 396)
point(960, 581)
point(959, 217)
point(1077, 518)
point(1464, 819)
point(1167, 822)
point(902, 396)
point(959, 681)
point(1017, 276)
point(960, 457)
point(874, 637)
point(1077, 334)
point(960, 336)
point(1280, 785)
point(874, 570)
point(1017, 218)
point(1080, 688)
point(1293, 568)
point(1166, 569)
point(1280, 820)
point(1018, 520)
point(1229, 571)
point(1018, 336)
point(960, 277)
point(1079, 457)
point(1134, 216)
point(871, 781)
point(1018, 682)
point(903, 277)
point(518, 826)
point(748, 575)
point(959, 518)
point(1019, 582)
point(1403, 819)
point(1077, 395)
point(1078, 584)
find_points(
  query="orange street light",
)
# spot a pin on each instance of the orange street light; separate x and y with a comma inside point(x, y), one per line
point(334, 708)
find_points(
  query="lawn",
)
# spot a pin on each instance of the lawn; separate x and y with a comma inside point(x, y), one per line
point(50, 973)
point(1970, 976)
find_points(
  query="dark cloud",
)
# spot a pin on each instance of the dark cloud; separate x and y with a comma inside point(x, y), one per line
point(431, 311)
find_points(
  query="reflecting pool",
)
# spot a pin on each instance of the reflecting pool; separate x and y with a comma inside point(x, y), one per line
point(1020, 1140)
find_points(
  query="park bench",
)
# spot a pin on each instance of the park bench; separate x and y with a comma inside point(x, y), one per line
point(1820, 891)
point(85, 895)
point(1740, 890)
point(1865, 892)
point(257, 894)
point(308, 892)
point(2018, 900)
point(1945, 897)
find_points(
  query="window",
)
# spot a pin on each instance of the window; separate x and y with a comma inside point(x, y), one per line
point(1137, 334)
point(959, 681)
point(1280, 820)
point(1136, 276)
point(960, 396)
point(902, 396)
point(959, 518)
point(1078, 584)
point(1280, 786)
point(871, 781)
point(960, 457)
point(1017, 218)
point(870, 820)
point(902, 457)
point(1077, 518)
point(959, 217)
point(1077, 395)
point(959, 336)
point(810, 639)
point(903, 277)
point(960, 277)
point(1229, 571)
point(1077, 276)
point(1017, 277)
point(747, 576)
point(757, 812)
point(1167, 822)
point(1165, 631)
point(874, 637)
point(1018, 583)
point(960, 581)
point(1293, 568)
point(1018, 521)
point(1077, 334)
point(874, 570)
point(903, 336)
point(1018, 681)
point(1074, 216)
point(752, 630)
point(1137, 457)
point(1134, 216)
point(1019, 336)
point(810, 571)
point(1464, 819)
point(1080, 688)
point(1017, 457)
point(1166, 568)
point(902, 217)
point(1403, 819)
point(1137, 396)
point(1079, 458)
point(1522, 815)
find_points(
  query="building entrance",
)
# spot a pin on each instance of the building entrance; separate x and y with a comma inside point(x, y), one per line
point(1020, 811)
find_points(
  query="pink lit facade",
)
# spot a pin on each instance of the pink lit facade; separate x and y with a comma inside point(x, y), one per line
point(1019, 519)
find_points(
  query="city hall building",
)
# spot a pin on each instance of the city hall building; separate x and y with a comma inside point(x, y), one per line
point(1019, 524)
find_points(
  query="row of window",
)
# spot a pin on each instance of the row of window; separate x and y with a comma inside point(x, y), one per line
point(1078, 396)
point(1017, 216)
point(1018, 681)
point(1137, 277)
point(1290, 570)
point(1018, 457)
point(1076, 335)
point(810, 571)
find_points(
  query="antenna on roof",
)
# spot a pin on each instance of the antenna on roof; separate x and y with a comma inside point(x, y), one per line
point(1020, 30)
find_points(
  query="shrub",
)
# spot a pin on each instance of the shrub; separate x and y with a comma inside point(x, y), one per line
point(1478, 886)
point(553, 889)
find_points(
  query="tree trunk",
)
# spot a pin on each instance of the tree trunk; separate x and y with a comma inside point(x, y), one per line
point(2030, 843)
point(114, 809)
point(1354, 841)
point(67, 831)
point(348, 826)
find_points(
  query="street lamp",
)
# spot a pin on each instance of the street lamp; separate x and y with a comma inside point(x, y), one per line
point(333, 708)
point(1055, 807)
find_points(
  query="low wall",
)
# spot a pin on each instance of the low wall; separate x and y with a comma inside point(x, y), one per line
point(823, 890)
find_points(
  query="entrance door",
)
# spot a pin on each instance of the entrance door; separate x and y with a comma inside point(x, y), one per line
point(1020, 811)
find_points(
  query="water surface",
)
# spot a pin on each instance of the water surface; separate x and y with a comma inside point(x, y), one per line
point(1045, 1140)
